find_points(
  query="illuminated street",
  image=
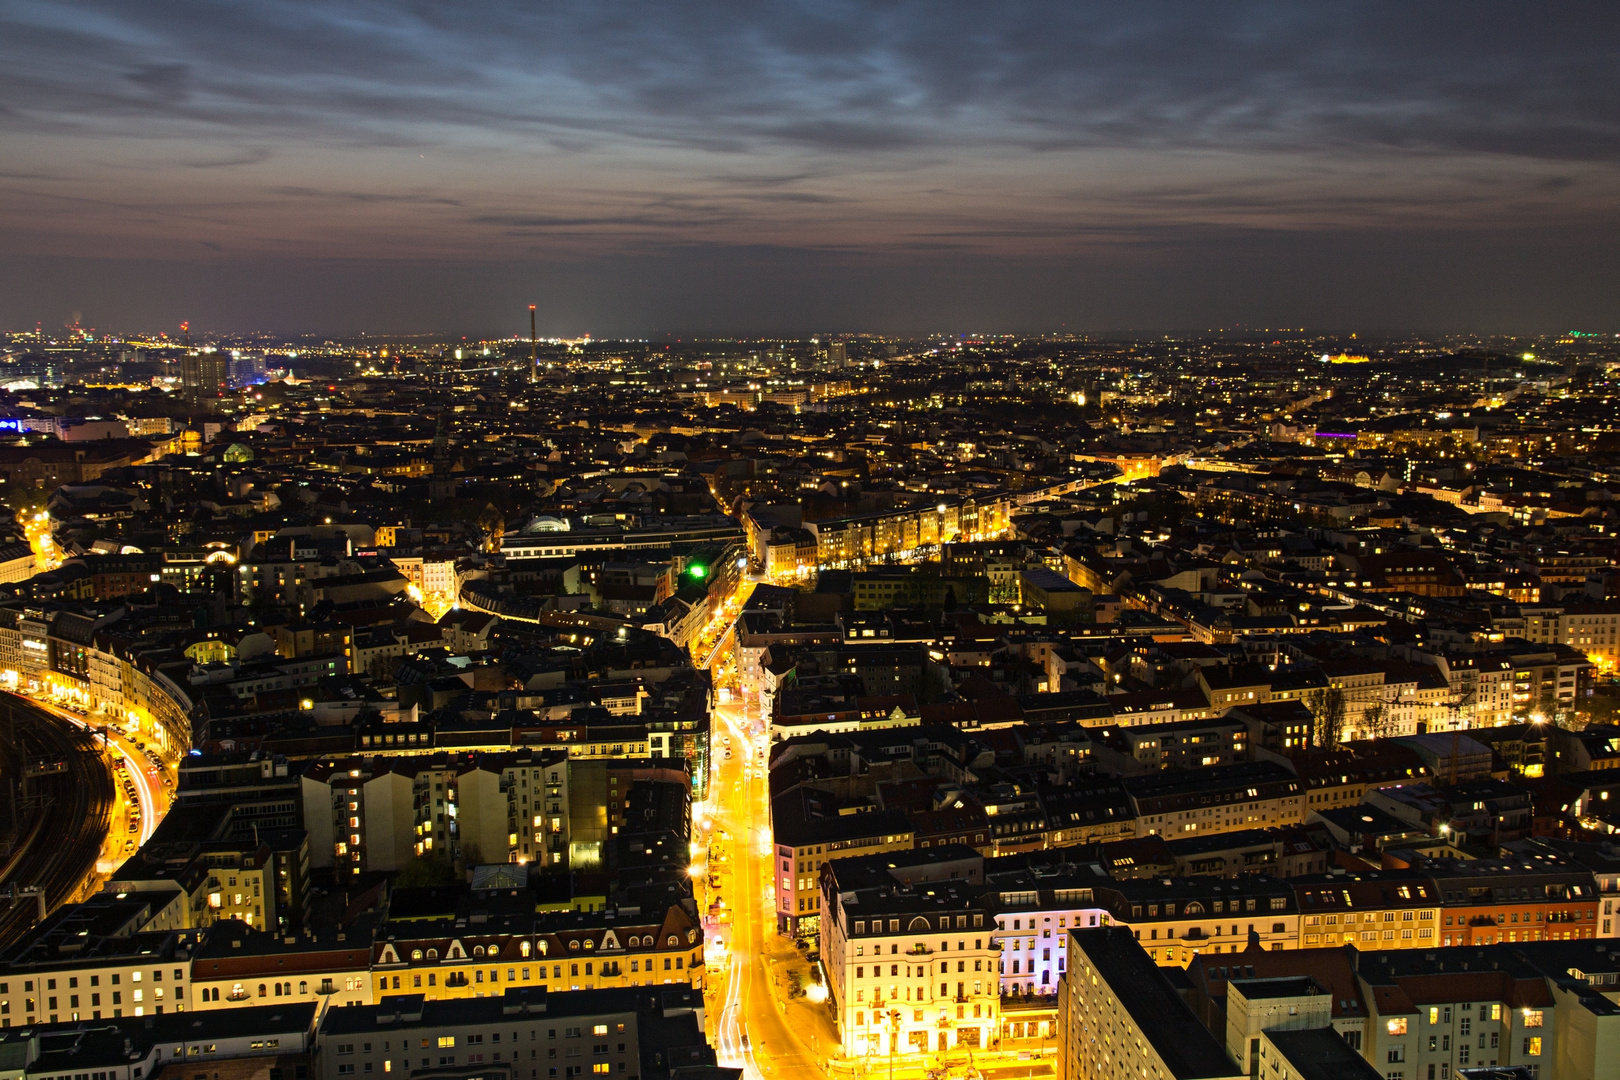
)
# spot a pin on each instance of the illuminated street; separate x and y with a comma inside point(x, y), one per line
point(132, 819)
point(753, 1028)
point(713, 646)
point(37, 531)
point(809, 542)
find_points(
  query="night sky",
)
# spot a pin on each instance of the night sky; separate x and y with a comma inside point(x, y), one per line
point(702, 167)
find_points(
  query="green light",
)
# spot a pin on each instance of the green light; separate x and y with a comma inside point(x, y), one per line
point(697, 570)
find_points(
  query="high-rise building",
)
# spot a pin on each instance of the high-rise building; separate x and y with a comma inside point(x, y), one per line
point(837, 354)
point(247, 370)
point(1122, 1018)
point(203, 376)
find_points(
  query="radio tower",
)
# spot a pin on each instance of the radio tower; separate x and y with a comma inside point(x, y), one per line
point(534, 357)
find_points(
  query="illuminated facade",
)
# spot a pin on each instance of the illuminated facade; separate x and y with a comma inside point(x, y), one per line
point(455, 958)
point(900, 534)
point(910, 970)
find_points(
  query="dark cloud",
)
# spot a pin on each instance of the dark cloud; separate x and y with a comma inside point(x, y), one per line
point(1509, 78)
point(419, 198)
point(253, 156)
point(165, 83)
point(1010, 136)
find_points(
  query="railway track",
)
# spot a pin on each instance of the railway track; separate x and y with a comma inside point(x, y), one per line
point(62, 845)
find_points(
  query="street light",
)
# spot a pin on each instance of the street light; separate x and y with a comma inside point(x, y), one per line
point(894, 1037)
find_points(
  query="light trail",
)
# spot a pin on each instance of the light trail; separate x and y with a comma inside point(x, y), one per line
point(753, 1032)
point(142, 773)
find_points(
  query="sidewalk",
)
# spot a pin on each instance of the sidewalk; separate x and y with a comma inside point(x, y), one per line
point(1015, 1059)
point(812, 1021)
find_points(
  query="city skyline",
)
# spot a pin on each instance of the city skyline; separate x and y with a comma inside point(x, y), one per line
point(1036, 541)
point(339, 168)
point(799, 709)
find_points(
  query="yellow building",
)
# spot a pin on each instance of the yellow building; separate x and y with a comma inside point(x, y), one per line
point(1372, 910)
point(446, 957)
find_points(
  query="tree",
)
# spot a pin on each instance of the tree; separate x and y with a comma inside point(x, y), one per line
point(1327, 707)
point(493, 523)
point(1376, 720)
point(382, 669)
point(1547, 705)
point(1550, 719)
point(430, 869)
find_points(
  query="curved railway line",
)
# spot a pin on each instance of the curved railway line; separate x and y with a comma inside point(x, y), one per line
point(58, 849)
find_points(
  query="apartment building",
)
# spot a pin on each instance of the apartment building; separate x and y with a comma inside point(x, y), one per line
point(1516, 682)
point(1035, 910)
point(1331, 970)
point(1178, 919)
point(804, 841)
point(1407, 1015)
point(1494, 901)
point(203, 870)
point(1258, 1009)
point(758, 631)
point(911, 969)
point(94, 961)
point(378, 813)
point(1186, 744)
point(261, 1042)
point(237, 967)
point(1341, 776)
point(1088, 811)
point(277, 571)
point(487, 948)
point(1457, 1014)
point(1120, 1019)
point(1481, 688)
point(1382, 909)
point(1310, 1052)
point(1221, 798)
point(518, 1033)
point(1590, 626)
point(852, 541)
